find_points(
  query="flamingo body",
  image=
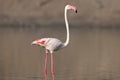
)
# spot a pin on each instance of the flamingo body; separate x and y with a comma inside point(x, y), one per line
point(50, 44)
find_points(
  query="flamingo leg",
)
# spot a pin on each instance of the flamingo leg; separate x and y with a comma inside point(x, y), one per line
point(45, 66)
point(52, 66)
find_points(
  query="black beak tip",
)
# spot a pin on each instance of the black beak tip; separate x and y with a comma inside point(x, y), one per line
point(76, 11)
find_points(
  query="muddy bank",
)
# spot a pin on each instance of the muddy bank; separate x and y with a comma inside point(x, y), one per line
point(43, 11)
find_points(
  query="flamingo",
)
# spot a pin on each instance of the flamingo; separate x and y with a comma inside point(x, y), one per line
point(52, 44)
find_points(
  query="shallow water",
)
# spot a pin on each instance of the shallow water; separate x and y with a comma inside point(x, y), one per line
point(93, 53)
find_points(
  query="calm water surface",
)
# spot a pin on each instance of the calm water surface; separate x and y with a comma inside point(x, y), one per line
point(93, 53)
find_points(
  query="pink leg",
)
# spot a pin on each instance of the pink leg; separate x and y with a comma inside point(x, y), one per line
point(52, 66)
point(45, 67)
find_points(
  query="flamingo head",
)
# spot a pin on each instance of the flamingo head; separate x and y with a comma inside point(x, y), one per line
point(70, 7)
point(40, 42)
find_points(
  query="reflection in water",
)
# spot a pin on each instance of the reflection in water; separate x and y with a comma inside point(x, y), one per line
point(93, 53)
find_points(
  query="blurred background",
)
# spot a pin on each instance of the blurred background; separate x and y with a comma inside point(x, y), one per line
point(94, 49)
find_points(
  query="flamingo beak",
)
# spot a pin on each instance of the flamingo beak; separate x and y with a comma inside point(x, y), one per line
point(76, 10)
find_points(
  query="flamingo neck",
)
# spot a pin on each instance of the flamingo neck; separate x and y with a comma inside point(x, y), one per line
point(67, 28)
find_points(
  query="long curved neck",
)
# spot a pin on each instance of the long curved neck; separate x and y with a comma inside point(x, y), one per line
point(67, 28)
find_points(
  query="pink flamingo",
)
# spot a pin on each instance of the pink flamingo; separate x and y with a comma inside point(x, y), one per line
point(53, 44)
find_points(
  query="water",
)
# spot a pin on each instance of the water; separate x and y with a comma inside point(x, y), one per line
point(93, 53)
